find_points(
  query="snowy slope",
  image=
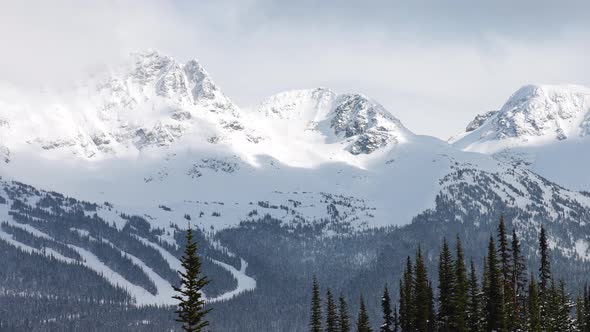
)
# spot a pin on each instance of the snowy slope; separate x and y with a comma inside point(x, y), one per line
point(154, 132)
point(151, 101)
point(17, 198)
point(357, 122)
point(543, 127)
point(158, 139)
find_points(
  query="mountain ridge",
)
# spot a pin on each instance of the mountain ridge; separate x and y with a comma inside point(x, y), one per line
point(542, 127)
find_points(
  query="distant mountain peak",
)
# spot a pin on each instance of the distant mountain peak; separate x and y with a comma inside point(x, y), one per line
point(544, 110)
point(533, 114)
point(353, 119)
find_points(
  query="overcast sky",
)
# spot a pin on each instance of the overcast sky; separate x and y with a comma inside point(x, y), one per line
point(433, 64)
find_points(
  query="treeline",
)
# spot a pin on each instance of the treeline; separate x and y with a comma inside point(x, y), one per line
point(506, 296)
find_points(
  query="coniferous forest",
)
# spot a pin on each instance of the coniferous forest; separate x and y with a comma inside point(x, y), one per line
point(42, 293)
point(507, 295)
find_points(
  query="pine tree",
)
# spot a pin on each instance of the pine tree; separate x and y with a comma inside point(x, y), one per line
point(446, 279)
point(553, 304)
point(315, 323)
point(485, 284)
point(343, 315)
point(388, 317)
point(494, 308)
point(563, 321)
point(406, 305)
point(432, 324)
point(421, 294)
point(474, 318)
point(580, 314)
point(519, 283)
point(395, 319)
point(191, 308)
point(362, 323)
point(587, 308)
point(544, 278)
point(331, 313)
point(506, 268)
point(403, 303)
point(503, 250)
point(459, 321)
point(533, 305)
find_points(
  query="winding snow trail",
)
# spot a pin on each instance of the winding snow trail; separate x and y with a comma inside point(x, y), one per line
point(245, 283)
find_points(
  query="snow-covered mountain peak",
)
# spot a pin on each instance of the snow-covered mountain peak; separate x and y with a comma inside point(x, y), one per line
point(152, 74)
point(533, 115)
point(540, 126)
point(537, 110)
point(149, 100)
point(353, 119)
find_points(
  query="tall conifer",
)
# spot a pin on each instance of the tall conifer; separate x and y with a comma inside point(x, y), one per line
point(388, 317)
point(446, 285)
point(533, 305)
point(494, 308)
point(474, 318)
point(406, 306)
point(580, 314)
point(362, 323)
point(461, 295)
point(432, 324)
point(331, 313)
point(343, 315)
point(421, 297)
point(505, 258)
point(315, 323)
point(519, 283)
point(396, 326)
point(563, 321)
point(544, 279)
point(191, 308)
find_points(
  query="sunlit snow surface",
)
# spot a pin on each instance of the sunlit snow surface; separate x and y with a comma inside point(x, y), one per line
point(543, 127)
point(155, 132)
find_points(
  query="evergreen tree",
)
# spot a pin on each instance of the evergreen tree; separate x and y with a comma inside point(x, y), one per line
point(315, 323)
point(432, 325)
point(459, 321)
point(421, 294)
point(395, 319)
point(545, 269)
point(331, 313)
point(388, 317)
point(343, 311)
point(563, 321)
point(191, 308)
point(519, 283)
point(533, 306)
point(485, 284)
point(406, 305)
point(587, 308)
point(494, 308)
point(506, 268)
point(552, 309)
point(580, 314)
point(446, 280)
point(403, 303)
point(474, 318)
point(544, 278)
point(362, 323)
point(503, 250)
